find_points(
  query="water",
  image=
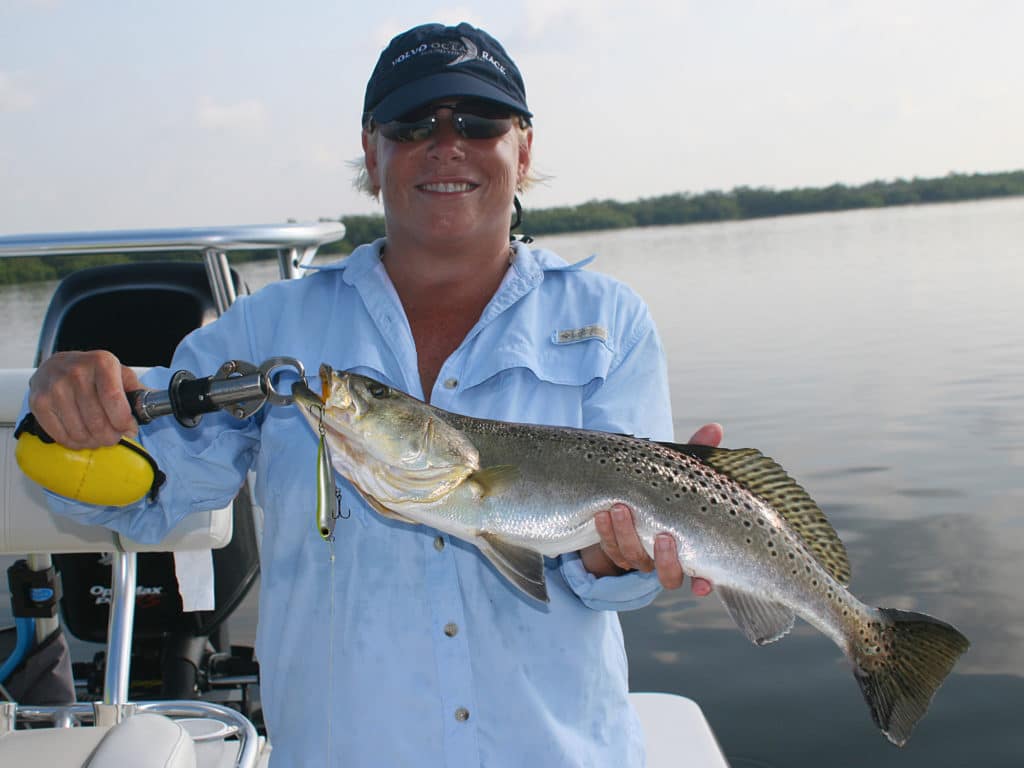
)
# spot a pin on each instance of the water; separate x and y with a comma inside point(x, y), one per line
point(879, 356)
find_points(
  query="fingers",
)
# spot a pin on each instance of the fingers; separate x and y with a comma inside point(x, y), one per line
point(709, 434)
point(700, 587)
point(78, 398)
point(620, 541)
point(666, 556)
point(623, 546)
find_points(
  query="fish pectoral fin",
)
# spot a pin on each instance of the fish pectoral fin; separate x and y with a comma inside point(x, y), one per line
point(492, 481)
point(523, 567)
point(385, 512)
point(763, 621)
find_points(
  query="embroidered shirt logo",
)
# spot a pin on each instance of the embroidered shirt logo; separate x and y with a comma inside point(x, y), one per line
point(581, 334)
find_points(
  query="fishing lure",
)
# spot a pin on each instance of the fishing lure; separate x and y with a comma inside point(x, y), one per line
point(328, 498)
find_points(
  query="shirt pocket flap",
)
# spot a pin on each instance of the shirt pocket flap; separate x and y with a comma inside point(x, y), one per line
point(562, 359)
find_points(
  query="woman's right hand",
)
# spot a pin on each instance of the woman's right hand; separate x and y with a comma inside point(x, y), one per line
point(79, 398)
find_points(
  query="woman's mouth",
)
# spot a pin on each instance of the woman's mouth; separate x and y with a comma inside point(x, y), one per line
point(448, 187)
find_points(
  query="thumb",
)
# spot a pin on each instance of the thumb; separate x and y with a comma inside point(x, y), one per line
point(709, 434)
point(129, 379)
point(130, 382)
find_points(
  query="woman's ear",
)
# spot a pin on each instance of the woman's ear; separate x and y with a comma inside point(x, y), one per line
point(525, 156)
point(370, 157)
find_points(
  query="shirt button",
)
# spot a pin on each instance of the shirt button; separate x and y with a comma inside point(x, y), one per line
point(451, 629)
point(451, 383)
point(462, 714)
point(439, 543)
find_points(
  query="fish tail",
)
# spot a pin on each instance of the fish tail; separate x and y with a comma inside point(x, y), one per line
point(900, 663)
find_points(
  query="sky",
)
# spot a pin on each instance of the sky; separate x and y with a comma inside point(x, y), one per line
point(118, 115)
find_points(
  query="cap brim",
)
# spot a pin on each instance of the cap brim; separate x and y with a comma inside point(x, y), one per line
point(441, 86)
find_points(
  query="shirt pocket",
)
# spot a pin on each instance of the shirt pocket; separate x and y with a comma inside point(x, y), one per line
point(542, 383)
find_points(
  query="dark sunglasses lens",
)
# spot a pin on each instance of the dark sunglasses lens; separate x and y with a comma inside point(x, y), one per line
point(402, 130)
point(477, 127)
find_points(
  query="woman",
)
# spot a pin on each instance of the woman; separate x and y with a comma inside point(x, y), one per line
point(396, 645)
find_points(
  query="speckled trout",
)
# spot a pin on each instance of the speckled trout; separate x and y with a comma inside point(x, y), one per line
point(522, 492)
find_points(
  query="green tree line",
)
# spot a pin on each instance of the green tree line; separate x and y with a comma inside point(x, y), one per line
point(680, 208)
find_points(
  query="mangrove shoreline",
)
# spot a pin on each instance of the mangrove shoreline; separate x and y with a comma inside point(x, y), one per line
point(681, 208)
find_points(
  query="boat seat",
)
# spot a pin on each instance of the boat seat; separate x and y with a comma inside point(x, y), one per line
point(143, 740)
point(28, 526)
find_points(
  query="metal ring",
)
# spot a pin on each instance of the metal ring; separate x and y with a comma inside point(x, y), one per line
point(269, 367)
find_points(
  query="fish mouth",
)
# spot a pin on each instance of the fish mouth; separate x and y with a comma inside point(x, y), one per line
point(302, 394)
point(326, 372)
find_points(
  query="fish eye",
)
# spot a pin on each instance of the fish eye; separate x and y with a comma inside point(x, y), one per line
point(377, 389)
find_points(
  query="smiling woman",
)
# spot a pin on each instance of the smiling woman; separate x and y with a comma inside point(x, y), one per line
point(449, 666)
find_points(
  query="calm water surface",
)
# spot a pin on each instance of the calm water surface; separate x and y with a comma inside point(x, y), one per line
point(879, 356)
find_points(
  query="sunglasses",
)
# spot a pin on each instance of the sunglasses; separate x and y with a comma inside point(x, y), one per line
point(470, 119)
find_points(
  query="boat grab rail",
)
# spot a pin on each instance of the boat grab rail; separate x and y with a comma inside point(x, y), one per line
point(232, 722)
point(291, 235)
point(296, 245)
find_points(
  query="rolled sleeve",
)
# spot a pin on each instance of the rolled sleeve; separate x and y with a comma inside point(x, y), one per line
point(609, 593)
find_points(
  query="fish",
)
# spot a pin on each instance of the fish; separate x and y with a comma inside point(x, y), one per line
point(523, 492)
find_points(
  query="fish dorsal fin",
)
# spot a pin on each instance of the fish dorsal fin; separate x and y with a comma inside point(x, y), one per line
point(492, 481)
point(763, 477)
point(385, 512)
point(763, 621)
point(523, 567)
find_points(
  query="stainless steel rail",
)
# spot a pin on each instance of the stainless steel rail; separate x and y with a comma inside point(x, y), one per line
point(232, 723)
point(288, 238)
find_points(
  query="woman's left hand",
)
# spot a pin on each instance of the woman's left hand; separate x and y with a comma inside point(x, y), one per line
point(620, 549)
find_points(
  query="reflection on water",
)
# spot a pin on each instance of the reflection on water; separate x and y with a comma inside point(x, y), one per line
point(877, 355)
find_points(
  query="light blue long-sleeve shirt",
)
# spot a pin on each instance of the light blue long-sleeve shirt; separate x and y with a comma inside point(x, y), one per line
point(408, 648)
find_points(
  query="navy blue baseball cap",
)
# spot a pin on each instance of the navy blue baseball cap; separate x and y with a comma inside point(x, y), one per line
point(433, 62)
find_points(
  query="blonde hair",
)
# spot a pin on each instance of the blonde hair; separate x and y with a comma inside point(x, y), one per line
point(364, 183)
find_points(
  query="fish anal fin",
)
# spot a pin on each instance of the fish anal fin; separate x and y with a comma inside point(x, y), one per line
point(763, 621)
point(492, 481)
point(765, 478)
point(523, 567)
point(380, 509)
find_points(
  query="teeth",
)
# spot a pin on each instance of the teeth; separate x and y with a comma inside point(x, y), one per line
point(451, 186)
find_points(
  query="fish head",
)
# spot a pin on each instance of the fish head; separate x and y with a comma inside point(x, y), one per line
point(388, 444)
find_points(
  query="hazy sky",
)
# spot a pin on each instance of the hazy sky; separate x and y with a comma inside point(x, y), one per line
point(118, 114)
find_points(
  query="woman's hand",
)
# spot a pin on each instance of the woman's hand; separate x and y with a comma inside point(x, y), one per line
point(79, 398)
point(620, 549)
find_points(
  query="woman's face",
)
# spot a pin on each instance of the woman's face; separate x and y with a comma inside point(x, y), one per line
point(446, 187)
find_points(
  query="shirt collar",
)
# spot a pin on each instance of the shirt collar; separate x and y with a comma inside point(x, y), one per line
point(530, 264)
